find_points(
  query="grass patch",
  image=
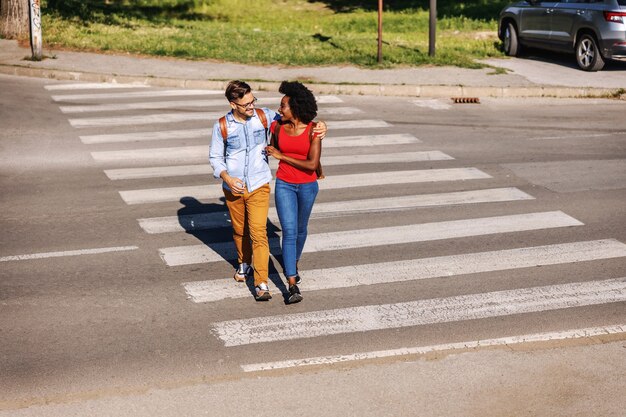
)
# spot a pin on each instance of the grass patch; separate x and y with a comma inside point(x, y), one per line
point(286, 32)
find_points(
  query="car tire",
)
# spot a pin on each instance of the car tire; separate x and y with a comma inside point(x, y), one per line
point(511, 40)
point(588, 56)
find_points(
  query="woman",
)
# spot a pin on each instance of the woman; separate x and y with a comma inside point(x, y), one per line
point(298, 151)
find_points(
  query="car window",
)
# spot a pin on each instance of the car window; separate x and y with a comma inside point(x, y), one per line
point(621, 2)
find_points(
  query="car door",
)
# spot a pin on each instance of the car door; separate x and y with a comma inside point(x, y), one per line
point(564, 16)
point(536, 20)
point(565, 20)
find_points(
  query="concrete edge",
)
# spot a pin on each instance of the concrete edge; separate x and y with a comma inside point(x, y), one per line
point(431, 91)
point(527, 346)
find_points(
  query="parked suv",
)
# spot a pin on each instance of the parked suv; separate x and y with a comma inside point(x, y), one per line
point(594, 29)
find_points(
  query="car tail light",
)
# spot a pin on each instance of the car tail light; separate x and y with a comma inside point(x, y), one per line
point(615, 17)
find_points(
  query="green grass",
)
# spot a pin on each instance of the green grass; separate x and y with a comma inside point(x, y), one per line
point(288, 32)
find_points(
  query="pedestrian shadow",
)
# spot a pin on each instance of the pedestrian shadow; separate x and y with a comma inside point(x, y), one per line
point(210, 224)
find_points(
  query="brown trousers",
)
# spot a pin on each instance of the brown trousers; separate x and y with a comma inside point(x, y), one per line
point(248, 215)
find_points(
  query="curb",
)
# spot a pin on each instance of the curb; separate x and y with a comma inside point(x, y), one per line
point(397, 90)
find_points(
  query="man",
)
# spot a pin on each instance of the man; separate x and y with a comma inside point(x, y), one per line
point(239, 160)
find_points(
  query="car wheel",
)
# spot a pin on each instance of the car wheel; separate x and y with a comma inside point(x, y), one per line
point(511, 42)
point(588, 55)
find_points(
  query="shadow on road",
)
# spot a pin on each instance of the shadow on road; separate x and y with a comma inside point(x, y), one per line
point(210, 224)
point(565, 59)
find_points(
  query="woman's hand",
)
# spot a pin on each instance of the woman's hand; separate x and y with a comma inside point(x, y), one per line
point(273, 152)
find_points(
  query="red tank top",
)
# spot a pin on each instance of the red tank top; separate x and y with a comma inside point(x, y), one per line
point(296, 147)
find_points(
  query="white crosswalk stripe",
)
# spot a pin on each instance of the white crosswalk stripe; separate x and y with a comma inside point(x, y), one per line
point(156, 195)
point(146, 136)
point(201, 151)
point(183, 104)
point(134, 94)
point(356, 124)
point(150, 105)
point(444, 267)
point(158, 172)
point(432, 104)
point(383, 236)
point(444, 347)
point(92, 86)
point(335, 142)
point(324, 99)
point(416, 313)
point(173, 154)
point(205, 221)
point(148, 119)
point(181, 170)
point(369, 140)
point(60, 254)
point(164, 118)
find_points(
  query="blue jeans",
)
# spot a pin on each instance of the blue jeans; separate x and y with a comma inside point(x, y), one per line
point(294, 203)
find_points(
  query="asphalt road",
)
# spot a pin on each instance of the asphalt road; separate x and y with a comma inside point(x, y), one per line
point(99, 311)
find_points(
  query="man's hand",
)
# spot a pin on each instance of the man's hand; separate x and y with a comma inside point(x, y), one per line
point(236, 185)
point(320, 130)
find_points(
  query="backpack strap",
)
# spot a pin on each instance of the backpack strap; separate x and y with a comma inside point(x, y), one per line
point(261, 115)
point(224, 132)
point(223, 128)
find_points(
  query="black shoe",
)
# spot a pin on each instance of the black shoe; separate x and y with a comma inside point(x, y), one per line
point(294, 292)
point(298, 279)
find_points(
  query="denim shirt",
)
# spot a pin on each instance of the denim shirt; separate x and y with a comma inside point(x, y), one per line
point(245, 150)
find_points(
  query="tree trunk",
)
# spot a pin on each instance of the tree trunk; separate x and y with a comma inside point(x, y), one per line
point(14, 19)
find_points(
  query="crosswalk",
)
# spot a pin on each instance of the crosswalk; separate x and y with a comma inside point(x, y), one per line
point(182, 170)
point(382, 236)
point(156, 195)
point(206, 221)
point(131, 121)
point(426, 268)
point(421, 312)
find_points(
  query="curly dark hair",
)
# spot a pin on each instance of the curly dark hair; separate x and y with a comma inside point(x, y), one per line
point(301, 100)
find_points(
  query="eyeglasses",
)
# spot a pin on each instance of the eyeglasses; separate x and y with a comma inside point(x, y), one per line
point(246, 105)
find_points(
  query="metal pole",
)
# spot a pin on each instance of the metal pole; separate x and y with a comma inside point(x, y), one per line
point(380, 31)
point(34, 11)
point(432, 27)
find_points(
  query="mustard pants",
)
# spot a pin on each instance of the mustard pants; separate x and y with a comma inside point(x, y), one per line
point(248, 215)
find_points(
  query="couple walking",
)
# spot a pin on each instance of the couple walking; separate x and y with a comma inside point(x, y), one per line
point(239, 156)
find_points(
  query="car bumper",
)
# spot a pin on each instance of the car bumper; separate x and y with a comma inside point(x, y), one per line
point(614, 44)
point(617, 50)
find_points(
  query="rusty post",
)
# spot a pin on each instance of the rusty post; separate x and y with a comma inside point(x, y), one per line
point(380, 31)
